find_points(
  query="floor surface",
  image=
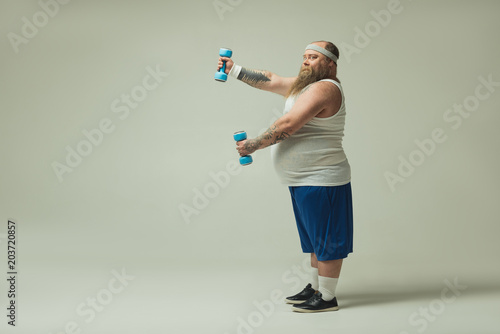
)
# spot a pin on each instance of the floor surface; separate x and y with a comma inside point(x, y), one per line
point(230, 299)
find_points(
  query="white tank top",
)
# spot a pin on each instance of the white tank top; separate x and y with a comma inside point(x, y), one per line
point(313, 156)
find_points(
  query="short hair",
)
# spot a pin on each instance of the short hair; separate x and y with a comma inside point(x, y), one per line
point(332, 48)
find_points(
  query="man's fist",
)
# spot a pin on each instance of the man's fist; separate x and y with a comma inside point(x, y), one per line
point(229, 64)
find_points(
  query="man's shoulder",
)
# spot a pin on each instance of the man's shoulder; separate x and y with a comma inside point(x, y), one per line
point(327, 88)
point(330, 83)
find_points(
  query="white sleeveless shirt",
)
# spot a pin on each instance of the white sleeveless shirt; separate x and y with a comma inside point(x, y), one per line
point(313, 156)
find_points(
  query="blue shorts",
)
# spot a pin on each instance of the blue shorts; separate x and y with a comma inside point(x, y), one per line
point(324, 220)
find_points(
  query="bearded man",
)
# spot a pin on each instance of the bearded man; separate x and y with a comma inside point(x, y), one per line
point(309, 158)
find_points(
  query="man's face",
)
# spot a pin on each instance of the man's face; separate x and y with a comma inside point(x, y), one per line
point(313, 60)
point(314, 68)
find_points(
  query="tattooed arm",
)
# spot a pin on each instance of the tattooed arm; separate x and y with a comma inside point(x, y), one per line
point(320, 99)
point(275, 134)
point(264, 80)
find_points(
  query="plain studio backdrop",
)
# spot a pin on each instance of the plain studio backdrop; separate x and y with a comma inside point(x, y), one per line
point(119, 167)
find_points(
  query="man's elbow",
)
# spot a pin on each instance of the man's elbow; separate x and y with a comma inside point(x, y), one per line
point(288, 126)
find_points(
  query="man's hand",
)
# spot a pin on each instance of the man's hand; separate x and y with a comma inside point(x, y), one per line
point(264, 80)
point(246, 147)
point(229, 64)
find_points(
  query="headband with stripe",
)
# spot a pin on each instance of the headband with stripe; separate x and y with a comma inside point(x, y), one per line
point(322, 51)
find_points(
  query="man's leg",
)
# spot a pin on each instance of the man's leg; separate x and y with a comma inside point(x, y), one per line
point(329, 268)
point(314, 272)
point(329, 272)
point(328, 222)
point(314, 261)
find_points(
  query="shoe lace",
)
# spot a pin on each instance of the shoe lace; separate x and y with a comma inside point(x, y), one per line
point(315, 297)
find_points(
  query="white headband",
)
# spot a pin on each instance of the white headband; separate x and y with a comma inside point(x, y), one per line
point(322, 51)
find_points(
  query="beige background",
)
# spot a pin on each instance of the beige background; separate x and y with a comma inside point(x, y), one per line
point(120, 208)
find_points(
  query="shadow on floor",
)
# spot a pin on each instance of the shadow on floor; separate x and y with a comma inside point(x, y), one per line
point(411, 293)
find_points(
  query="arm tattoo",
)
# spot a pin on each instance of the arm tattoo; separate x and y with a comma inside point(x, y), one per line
point(252, 145)
point(281, 136)
point(253, 77)
point(272, 136)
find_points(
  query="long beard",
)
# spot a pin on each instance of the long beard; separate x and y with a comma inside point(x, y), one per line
point(307, 76)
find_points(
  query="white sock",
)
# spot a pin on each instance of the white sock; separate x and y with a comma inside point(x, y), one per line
point(314, 278)
point(327, 287)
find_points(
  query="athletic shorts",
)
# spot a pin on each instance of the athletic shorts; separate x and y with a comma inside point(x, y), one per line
point(324, 220)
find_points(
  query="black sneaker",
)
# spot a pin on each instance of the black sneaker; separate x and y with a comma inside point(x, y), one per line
point(302, 296)
point(316, 304)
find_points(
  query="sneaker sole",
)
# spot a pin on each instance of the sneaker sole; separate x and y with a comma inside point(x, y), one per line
point(288, 301)
point(301, 310)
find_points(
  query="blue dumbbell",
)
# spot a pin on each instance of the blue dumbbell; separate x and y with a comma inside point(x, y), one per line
point(239, 136)
point(220, 75)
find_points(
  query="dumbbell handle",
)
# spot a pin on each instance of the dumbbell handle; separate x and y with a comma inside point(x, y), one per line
point(220, 75)
point(239, 136)
point(223, 68)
